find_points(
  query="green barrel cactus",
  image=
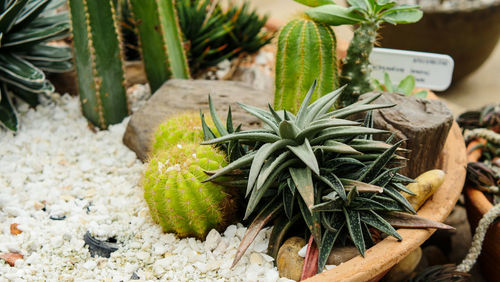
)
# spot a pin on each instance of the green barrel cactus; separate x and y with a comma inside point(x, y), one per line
point(306, 52)
point(176, 196)
point(99, 63)
point(179, 129)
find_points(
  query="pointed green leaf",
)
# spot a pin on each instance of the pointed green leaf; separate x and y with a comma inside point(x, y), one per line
point(305, 153)
point(362, 187)
point(344, 131)
point(323, 104)
point(315, 3)
point(288, 202)
point(334, 182)
point(329, 239)
point(302, 178)
point(393, 193)
point(11, 12)
point(388, 83)
point(215, 118)
point(272, 167)
point(313, 220)
point(288, 130)
point(379, 163)
point(262, 155)
point(353, 223)
point(406, 85)
point(337, 147)
point(302, 114)
point(264, 116)
point(317, 126)
point(403, 188)
point(330, 206)
point(373, 219)
point(249, 135)
point(239, 163)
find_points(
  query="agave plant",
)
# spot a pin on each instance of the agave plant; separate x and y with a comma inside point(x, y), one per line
point(343, 182)
point(25, 28)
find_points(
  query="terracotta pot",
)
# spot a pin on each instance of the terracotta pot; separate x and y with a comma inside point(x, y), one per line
point(384, 255)
point(477, 205)
point(468, 36)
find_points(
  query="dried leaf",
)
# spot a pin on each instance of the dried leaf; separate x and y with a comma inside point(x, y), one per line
point(311, 261)
point(11, 258)
point(404, 220)
point(14, 230)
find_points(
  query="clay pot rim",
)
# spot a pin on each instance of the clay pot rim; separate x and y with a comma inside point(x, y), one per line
point(385, 254)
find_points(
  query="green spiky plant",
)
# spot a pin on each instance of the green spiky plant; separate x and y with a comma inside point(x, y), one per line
point(127, 25)
point(369, 15)
point(160, 38)
point(25, 28)
point(99, 63)
point(177, 198)
point(305, 49)
point(325, 168)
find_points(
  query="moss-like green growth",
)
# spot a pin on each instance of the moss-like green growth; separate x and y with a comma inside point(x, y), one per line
point(176, 196)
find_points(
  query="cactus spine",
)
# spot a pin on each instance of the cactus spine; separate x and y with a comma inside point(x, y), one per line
point(98, 61)
point(356, 72)
point(306, 52)
point(160, 38)
point(177, 198)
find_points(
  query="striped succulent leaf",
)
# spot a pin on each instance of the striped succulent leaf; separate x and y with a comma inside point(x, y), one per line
point(324, 167)
point(26, 26)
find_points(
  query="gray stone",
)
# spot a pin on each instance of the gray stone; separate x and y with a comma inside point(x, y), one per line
point(177, 96)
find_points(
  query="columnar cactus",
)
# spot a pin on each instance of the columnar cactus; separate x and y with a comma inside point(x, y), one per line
point(177, 198)
point(306, 51)
point(98, 61)
point(160, 38)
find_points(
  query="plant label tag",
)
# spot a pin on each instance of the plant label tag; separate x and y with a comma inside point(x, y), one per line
point(433, 71)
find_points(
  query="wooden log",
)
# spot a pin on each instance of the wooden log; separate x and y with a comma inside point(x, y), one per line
point(424, 124)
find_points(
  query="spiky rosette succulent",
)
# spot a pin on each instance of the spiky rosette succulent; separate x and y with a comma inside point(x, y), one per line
point(179, 129)
point(25, 28)
point(176, 196)
point(324, 167)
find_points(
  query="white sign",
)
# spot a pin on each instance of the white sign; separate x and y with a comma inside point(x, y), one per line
point(433, 71)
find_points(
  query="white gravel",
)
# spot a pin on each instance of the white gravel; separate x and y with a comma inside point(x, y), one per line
point(91, 180)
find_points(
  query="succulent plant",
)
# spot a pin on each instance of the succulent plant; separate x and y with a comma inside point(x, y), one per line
point(305, 49)
point(25, 28)
point(369, 15)
point(177, 198)
point(126, 24)
point(179, 129)
point(324, 167)
point(406, 86)
point(160, 38)
point(99, 63)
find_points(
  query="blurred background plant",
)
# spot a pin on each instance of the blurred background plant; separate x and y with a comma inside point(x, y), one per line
point(211, 34)
point(26, 27)
point(406, 86)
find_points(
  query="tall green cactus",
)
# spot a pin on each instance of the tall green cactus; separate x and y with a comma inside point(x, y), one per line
point(176, 196)
point(98, 61)
point(306, 52)
point(160, 38)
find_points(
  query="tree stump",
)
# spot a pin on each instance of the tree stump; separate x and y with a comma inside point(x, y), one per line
point(423, 124)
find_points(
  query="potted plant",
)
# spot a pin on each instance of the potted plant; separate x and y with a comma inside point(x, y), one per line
point(481, 191)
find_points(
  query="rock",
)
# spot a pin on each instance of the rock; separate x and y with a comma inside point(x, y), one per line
point(14, 230)
point(176, 96)
point(423, 124)
point(212, 240)
point(403, 270)
point(289, 262)
point(341, 254)
point(11, 258)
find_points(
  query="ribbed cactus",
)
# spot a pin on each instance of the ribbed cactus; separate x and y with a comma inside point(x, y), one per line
point(183, 128)
point(98, 61)
point(177, 199)
point(306, 52)
point(160, 38)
